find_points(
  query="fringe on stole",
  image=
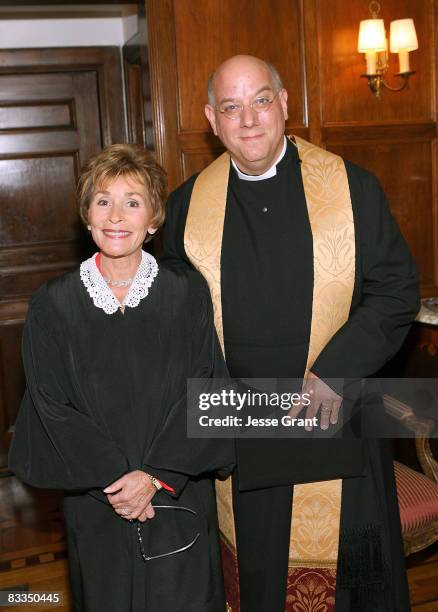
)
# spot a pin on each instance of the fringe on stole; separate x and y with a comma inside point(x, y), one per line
point(363, 569)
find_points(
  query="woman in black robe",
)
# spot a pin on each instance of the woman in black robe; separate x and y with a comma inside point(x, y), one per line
point(107, 351)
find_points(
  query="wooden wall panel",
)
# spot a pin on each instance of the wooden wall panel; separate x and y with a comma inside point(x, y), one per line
point(205, 38)
point(26, 87)
point(195, 162)
point(345, 96)
point(405, 168)
point(39, 217)
point(45, 115)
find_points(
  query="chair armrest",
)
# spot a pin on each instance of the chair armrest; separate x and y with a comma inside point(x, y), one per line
point(428, 463)
point(421, 427)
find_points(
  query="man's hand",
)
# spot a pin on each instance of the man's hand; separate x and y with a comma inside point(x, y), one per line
point(131, 496)
point(321, 397)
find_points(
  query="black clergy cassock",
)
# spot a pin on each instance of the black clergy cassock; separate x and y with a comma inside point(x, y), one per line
point(267, 285)
point(106, 394)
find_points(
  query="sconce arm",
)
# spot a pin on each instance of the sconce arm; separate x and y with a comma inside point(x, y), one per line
point(377, 81)
point(403, 75)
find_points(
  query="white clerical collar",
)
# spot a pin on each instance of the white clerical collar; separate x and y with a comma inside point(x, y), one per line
point(272, 171)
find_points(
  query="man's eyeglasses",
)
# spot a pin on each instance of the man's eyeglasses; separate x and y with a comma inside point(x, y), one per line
point(233, 110)
point(186, 546)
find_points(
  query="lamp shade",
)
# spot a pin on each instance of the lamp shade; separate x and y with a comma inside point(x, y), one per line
point(371, 36)
point(403, 36)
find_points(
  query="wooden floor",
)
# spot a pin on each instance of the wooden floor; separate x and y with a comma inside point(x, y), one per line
point(33, 549)
point(423, 579)
point(32, 542)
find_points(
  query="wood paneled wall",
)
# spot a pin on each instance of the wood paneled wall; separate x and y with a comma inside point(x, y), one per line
point(313, 44)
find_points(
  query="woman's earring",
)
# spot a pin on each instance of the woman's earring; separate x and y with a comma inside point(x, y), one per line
point(89, 227)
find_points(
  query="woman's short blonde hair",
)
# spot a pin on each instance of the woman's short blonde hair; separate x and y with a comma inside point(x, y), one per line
point(128, 161)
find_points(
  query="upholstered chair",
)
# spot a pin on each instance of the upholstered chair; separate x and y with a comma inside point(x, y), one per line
point(417, 492)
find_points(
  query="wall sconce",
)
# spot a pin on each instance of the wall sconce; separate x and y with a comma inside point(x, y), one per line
point(372, 41)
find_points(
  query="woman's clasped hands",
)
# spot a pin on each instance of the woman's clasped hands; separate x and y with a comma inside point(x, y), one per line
point(131, 496)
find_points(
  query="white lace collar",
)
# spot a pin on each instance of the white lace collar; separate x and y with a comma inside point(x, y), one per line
point(102, 295)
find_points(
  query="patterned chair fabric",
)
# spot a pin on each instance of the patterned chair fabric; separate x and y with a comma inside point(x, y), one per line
point(418, 503)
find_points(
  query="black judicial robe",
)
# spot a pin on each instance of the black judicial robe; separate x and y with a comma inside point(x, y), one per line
point(267, 283)
point(106, 395)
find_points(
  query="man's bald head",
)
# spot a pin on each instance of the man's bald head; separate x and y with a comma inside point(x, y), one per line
point(247, 110)
point(240, 62)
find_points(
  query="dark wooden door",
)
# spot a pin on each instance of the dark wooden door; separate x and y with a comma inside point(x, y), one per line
point(55, 111)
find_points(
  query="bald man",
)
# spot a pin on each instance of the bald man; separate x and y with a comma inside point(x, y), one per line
point(309, 275)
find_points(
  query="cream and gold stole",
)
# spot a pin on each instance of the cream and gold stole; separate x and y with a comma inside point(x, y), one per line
point(316, 506)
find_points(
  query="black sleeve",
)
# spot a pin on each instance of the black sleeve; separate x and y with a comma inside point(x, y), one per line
point(176, 214)
point(387, 285)
point(55, 445)
point(174, 457)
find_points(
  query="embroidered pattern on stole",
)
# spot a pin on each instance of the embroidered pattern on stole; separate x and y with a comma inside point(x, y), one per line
point(316, 506)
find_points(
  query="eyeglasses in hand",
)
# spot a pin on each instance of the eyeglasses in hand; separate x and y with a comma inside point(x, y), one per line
point(146, 557)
